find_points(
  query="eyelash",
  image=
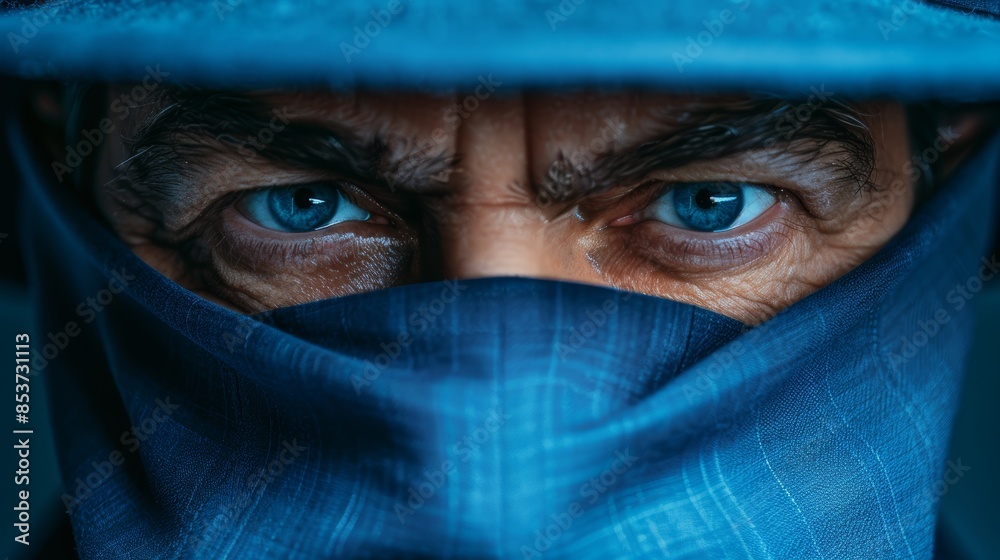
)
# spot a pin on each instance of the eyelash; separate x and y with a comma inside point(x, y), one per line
point(241, 238)
point(695, 253)
point(661, 190)
point(348, 191)
point(659, 244)
point(326, 203)
point(683, 250)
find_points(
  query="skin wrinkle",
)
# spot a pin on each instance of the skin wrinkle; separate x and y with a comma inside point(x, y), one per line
point(743, 133)
point(748, 125)
point(468, 207)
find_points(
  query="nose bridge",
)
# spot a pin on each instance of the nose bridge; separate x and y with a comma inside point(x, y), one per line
point(490, 225)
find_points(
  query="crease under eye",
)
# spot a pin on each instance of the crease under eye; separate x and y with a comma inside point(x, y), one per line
point(710, 206)
point(300, 208)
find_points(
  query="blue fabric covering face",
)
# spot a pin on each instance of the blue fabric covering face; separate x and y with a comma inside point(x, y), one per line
point(906, 48)
point(503, 417)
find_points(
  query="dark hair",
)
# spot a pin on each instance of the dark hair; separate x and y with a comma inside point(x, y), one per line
point(85, 105)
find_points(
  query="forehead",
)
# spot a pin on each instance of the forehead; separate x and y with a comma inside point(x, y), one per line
point(417, 138)
point(549, 116)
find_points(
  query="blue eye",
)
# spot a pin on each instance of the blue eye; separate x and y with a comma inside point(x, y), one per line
point(299, 208)
point(711, 207)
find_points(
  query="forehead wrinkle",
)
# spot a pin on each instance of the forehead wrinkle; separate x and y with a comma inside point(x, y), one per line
point(698, 131)
point(190, 126)
point(368, 147)
point(417, 170)
point(400, 162)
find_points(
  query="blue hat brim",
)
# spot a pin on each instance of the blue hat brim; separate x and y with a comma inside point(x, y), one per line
point(849, 47)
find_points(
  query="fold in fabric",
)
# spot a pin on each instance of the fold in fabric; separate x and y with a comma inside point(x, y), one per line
point(505, 417)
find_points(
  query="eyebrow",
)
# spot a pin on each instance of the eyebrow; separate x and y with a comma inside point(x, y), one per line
point(716, 128)
point(175, 135)
point(832, 128)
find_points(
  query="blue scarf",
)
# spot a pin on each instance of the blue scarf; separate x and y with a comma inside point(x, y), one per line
point(504, 417)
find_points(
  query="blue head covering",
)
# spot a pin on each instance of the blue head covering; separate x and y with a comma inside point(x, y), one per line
point(502, 418)
point(906, 48)
point(508, 417)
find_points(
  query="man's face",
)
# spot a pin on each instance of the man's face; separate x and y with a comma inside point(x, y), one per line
point(738, 205)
